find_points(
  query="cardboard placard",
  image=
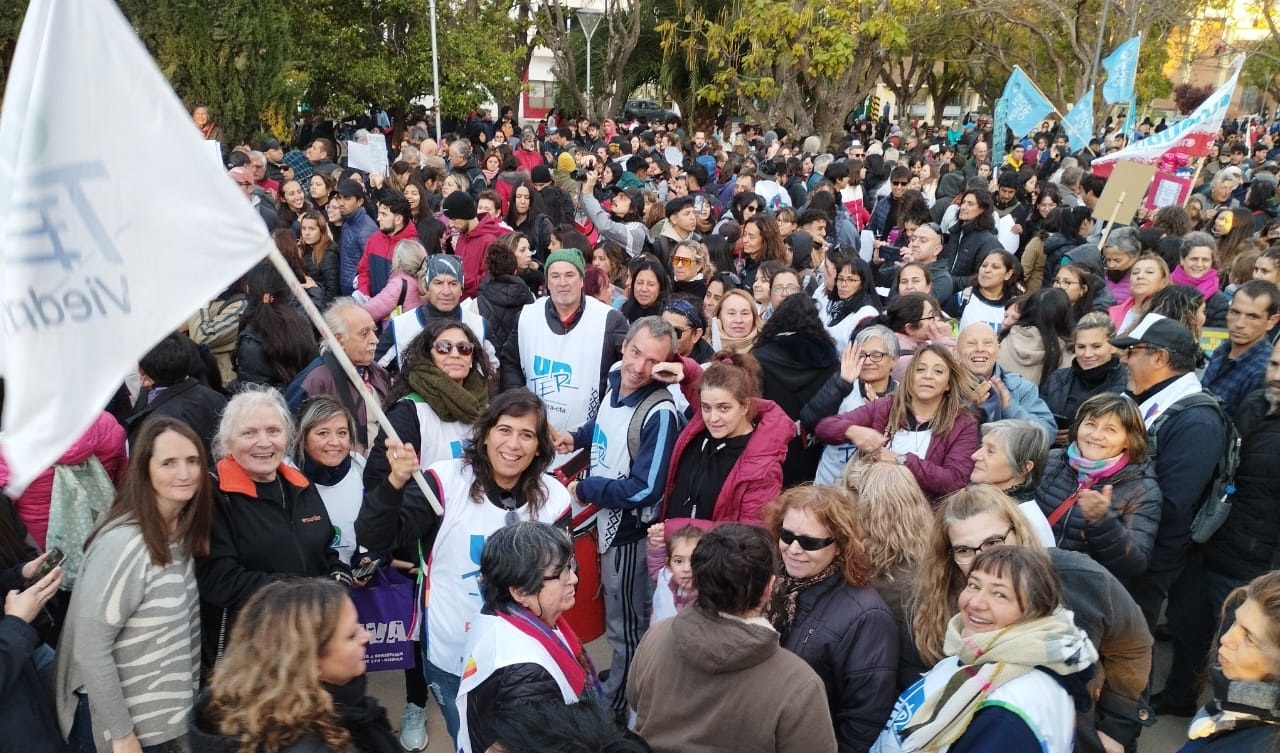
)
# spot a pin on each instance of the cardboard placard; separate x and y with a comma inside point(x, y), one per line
point(1125, 190)
point(359, 157)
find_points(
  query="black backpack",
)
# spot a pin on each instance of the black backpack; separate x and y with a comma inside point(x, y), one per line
point(1213, 510)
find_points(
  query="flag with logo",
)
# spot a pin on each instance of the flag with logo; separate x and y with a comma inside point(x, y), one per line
point(109, 238)
point(1121, 67)
point(1190, 137)
point(1078, 123)
point(1026, 107)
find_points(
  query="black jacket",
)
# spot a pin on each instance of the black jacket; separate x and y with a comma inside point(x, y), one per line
point(1068, 387)
point(508, 687)
point(1122, 539)
point(500, 299)
point(190, 401)
point(793, 368)
point(849, 637)
point(1248, 543)
point(328, 272)
point(256, 541)
point(966, 247)
point(28, 720)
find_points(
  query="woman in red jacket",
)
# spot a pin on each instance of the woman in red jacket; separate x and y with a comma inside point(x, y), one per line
point(727, 463)
point(925, 425)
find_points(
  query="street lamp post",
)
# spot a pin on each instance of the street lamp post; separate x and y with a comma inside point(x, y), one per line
point(589, 20)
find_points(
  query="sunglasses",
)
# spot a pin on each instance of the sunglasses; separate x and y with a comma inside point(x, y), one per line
point(681, 261)
point(807, 543)
point(901, 182)
point(444, 347)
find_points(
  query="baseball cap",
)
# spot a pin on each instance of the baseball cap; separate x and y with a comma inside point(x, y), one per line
point(1160, 332)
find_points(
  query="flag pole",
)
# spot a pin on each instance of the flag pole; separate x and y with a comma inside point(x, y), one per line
point(370, 400)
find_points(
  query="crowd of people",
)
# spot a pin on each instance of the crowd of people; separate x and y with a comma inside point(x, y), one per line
point(920, 489)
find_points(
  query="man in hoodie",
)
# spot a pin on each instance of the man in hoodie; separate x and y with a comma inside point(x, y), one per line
point(395, 224)
point(474, 237)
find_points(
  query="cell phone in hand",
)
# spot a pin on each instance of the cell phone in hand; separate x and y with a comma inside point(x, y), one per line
point(890, 253)
point(56, 557)
point(365, 570)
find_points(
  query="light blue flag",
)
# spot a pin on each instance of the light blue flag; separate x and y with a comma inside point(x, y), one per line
point(1078, 123)
point(1001, 116)
point(1121, 67)
point(1025, 107)
point(1129, 125)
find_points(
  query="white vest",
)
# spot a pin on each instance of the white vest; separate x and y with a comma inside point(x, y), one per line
point(564, 370)
point(977, 310)
point(437, 439)
point(836, 456)
point(455, 557)
point(342, 501)
point(1035, 697)
point(407, 326)
point(495, 644)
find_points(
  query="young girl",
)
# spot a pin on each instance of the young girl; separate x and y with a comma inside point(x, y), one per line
point(674, 589)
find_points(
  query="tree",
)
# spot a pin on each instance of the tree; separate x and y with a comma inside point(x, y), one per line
point(802, 64)
point(352, 54)
point(612, 45)
point(1262, 66)
point(1187, 97)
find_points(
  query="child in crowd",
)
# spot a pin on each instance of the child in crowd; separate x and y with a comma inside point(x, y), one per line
point(674, 590)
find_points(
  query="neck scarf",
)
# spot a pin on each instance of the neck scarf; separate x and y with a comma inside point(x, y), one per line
point(679, 596)
point(1089, 471)
point(782, 608)
point(363, 717)
point(567, 653)
point(489, 175)
point(451, 401)
point(988, 661)
point(1235, 705)
point(1207, 285)
point(738, 344)
point(322, 475)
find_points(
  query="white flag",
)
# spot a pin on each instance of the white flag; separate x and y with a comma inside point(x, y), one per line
point(114, 225)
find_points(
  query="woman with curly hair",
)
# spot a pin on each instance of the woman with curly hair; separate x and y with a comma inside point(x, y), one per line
point(293, 680)
point(761, 242)
point(827, 611)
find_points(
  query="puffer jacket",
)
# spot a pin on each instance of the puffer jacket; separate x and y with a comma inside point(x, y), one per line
point(848, 636)
point(500, 299)
point(793, 367)
point(1068, 387)
point(966, 247)
point(105, 438)
point(1122, 539)
point(756, 479)
point(1056, 247)
point(1248, 543)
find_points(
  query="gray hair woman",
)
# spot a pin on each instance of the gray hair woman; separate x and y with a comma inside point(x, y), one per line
point(259, 503)
point(521, 648)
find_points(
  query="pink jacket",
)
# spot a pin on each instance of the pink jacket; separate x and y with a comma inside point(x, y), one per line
point(756, 479)
point(381, 305)
point(105, 438)
point(946, 465)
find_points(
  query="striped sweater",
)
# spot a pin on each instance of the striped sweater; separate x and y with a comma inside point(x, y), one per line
point(131, 642)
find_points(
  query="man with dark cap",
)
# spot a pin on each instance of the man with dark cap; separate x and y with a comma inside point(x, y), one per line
point(564, 345)
point(395, 224)
point(271, 149)
point(474, 237)
point(1006, 198)
point(357, 228)
point(443, 278)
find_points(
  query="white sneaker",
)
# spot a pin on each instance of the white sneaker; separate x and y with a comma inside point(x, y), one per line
point(413, 728)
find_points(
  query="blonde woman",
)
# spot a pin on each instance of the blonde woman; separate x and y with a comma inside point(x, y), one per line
point(293, 678)
point(737, 322)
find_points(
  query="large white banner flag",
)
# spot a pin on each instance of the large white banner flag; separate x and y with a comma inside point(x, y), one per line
point(1190, 137)
point(114, 225)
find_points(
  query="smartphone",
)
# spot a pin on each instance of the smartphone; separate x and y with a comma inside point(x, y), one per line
point(890, 253)
point(699, 203)
point(56, 557)
point(365, 570)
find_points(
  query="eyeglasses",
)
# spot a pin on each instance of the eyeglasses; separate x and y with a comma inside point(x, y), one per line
point(682, 261)
point(444, 347)
point(569, 567)
point(963, 555)
point(807, 543)
point(1140, 346)
point(875, 356)
point(926, 318)
point(679, 331)
point(1060, 283)
point(848, 279)
point(785, 289)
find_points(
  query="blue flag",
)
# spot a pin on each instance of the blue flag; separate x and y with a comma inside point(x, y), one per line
point(1078, 123)
point(1121, 67)
point(1025, 107)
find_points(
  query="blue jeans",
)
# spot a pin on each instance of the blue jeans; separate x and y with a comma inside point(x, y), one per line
point(444, 687)
point(81, 737)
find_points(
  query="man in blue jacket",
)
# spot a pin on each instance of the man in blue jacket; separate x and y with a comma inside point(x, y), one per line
point(357, 227)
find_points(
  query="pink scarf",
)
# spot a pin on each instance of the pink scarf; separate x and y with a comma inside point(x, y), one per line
point(1208, 284)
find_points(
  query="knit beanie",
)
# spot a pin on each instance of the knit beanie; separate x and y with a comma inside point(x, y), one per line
point(571, 255)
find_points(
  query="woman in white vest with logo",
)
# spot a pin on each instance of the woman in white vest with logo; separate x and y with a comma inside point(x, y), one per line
point(521, 649)
point(997, 282)
point(322, 450)
point(499, 480)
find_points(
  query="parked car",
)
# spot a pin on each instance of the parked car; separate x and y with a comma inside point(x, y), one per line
point(648, 109)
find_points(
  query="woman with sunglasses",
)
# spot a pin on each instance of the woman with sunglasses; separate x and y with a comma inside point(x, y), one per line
point(692, 269)
point(500, 479)
point(828, 613)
